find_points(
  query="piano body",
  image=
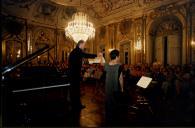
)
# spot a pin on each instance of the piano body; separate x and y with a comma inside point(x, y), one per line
point(33, 95)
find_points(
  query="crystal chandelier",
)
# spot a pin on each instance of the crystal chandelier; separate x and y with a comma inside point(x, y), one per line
point(80, 28)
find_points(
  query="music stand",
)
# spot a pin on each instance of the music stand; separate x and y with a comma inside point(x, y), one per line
point(143, 83)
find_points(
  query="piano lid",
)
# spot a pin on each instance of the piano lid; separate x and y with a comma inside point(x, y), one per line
point(28, 58)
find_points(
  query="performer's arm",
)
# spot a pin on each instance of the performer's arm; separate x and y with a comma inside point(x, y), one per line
point(121, 81)
point(87, 55)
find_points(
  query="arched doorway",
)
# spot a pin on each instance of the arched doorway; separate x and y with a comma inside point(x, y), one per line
point(166, 41)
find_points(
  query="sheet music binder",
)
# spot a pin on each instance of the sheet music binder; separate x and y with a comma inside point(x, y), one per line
point(144, 82)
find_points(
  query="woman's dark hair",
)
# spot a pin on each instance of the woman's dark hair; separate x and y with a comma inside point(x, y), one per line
point(113, 54)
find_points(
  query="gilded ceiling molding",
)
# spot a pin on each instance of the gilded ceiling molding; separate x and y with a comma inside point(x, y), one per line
point(92, 12)
point(103, 12)
point(19, 3)
point(170, 9)
point(69, 11)
point(46, 9)
point(150, 1)
point(46, 13)
point(106, 7)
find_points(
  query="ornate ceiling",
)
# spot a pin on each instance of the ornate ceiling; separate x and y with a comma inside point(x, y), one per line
point(57, 12)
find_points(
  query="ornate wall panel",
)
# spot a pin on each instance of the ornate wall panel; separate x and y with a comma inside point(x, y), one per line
point(117, 22)
point(166, 21)
point(192, 10)
point(174, 50)
point(158, 50)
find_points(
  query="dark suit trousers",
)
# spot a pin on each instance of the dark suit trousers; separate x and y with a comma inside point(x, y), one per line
point(75, 93)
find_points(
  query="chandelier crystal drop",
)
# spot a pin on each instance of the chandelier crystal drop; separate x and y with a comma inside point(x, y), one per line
point(80, 28)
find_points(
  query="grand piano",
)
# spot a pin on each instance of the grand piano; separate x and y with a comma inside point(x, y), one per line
point(34, 95)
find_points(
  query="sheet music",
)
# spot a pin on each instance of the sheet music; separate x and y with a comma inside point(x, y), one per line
point(144, 82)
point(96, 60)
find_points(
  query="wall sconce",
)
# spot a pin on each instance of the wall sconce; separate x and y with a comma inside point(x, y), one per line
point(29, 45)
point(193, 43)
point(18, 53)
point(38, 57)
point(138, 45)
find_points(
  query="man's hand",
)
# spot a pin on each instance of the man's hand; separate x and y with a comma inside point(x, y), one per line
point(100, 55)
point(101, 58)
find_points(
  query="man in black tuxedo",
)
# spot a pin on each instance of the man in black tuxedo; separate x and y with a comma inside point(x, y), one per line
point(75, 64)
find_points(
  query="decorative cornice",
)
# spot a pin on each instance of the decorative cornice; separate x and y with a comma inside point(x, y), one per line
point(19, 3)
point(48, 12)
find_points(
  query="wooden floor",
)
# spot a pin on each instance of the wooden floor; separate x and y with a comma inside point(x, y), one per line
point(136, 111)
point(93, 98)
point(94, 113)
point(57, 113)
